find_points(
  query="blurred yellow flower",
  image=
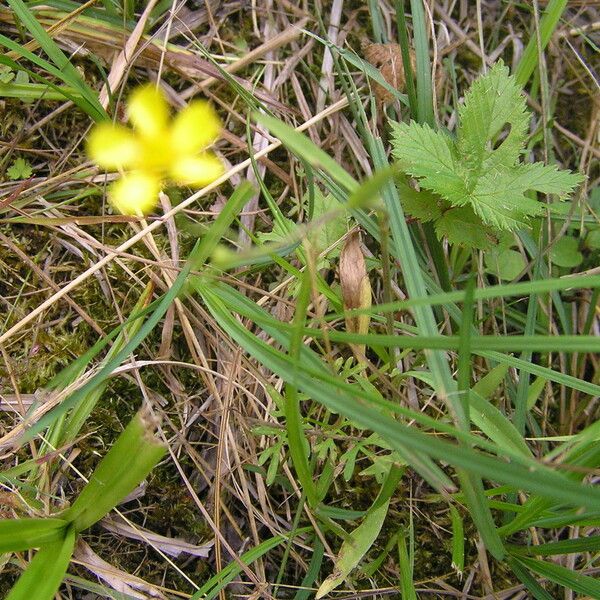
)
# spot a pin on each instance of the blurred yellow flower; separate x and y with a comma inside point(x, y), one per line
point(156, 149)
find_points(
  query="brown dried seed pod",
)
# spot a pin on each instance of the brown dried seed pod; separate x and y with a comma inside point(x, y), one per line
point(388, 59)
point(356, 287)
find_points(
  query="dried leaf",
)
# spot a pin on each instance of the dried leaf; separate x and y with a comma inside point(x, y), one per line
point(171, 546)
point(388, 59)
point(118, 580)
point(356, 287)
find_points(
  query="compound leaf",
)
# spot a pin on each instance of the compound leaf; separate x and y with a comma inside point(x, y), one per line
point(481, 169)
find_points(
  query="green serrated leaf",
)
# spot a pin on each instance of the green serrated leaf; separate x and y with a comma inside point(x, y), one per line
point(499, 199)
point(464, 228)
point(493, 102)
point(423, 205)
point(481, 168)
point(546, 179)
point(429, 156)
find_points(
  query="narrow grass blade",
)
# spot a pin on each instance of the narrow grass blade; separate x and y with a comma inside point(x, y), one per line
point(407, 585)
point(537, 591)
point(406, 62)
point(458, 541)
point(68, 72)
point(446, 299)
point(489, 419)
point(45, 572)
point(314, 568)
point(520, 398)
point(298, 445)
point(22, 534)
point(464, 352)
point(421, 41)
point(548, 23)
point(556, 377)
point(35, 91)
point(219, 581)
point(306, 149)
point(583, 544)
point(481, 343)
point(572, 580)
point(363, 537)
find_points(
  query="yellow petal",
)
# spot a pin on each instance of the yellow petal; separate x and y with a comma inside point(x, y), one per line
point(112, 146)
point(135, 194)
point(197, 171)
point(148, 111)
point(195, 127)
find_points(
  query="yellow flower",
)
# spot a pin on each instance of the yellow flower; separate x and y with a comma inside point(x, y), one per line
point(156, 149)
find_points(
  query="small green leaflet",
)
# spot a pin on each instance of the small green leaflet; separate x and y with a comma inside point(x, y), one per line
point(20, 169)
point(330, 223)
point(480, 171)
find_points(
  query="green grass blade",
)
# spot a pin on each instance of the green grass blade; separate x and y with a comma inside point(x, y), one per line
point(307, 150)
point(560, 378)
point(496, 425)
point(524, 289)
point(572, 580)
point(314, 568)
point(298, 445)
point(135, 453)
point(548, 23)
point(45, 572)
point(520, 399)
point(464, 352)
point(363, 537)
point(407, 585)
point(458, 540)
point(22, 534)
point(480, 343)
point(35, 91)
point(538, 592)
point(406, 63)
point(219, 581)
point(69, 73)
point(201, 252)
point(577, 545)
point(421, 41)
